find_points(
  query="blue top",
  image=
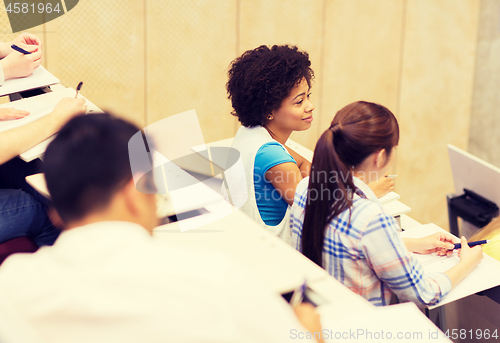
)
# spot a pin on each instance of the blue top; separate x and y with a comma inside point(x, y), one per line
point(272, 207)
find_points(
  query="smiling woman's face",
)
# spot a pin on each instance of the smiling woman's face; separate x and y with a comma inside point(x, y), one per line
point(295, 112)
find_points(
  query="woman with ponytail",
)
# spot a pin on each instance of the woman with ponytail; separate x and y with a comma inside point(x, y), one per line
point(338, 223)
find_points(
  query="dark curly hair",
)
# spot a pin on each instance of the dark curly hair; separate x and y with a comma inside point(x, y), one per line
point(262, 78)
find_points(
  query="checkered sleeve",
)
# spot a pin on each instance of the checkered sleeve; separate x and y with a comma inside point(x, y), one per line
point(297, 213)
point(396, 267)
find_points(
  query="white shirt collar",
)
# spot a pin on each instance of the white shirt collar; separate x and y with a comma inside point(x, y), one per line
point(89, 243)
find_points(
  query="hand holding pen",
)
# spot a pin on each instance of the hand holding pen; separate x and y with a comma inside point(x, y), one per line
point(78, 89)
point(27, 40)
point(305, 312)
point(21, 62)
point(21, 50)
point(471, 244)
point(383, 185)
point(469, 257)
point(298, 295)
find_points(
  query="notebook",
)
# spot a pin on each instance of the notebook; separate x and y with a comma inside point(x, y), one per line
point(41, 77)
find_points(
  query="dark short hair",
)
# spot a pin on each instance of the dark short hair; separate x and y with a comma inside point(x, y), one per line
point(260, 79)
point(87, 163)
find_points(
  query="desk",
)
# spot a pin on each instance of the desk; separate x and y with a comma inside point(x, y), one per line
point(37, 181)
point(226, 230)
point(282, 268)
point(408, 223)
point(40, 106)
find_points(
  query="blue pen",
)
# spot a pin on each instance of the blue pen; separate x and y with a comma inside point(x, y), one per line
point(18, 49)
point(472, 244)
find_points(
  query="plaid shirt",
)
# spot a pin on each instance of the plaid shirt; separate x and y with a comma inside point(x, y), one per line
point(369, 256)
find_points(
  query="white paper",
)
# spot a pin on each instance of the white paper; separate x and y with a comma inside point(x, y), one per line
point(38, 79)
point(389, 197)
point(39, 106)
point(485, 276)
point(36, 108)
point(396, 208)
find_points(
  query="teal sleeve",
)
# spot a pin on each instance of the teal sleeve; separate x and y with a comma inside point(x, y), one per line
point(272, 207)
point(269, 155)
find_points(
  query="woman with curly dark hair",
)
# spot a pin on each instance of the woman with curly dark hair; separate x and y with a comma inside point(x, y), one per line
point(269, 89)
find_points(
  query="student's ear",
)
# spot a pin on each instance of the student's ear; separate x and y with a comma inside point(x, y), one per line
point(381, 158)
point(130, 197)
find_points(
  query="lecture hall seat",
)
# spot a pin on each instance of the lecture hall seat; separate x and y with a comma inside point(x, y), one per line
point(19, 244)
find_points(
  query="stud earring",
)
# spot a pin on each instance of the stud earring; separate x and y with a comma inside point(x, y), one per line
point(269, 117)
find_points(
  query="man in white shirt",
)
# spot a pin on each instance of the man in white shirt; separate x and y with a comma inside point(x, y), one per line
point(106, 279)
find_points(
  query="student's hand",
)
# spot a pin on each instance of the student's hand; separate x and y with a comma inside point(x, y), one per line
point(303, 164)
point(26, 39)
point(17, 64)
point(22, 41)
point(470, 257)
point(12, 113)
point(438, 242)
point(68, 108)
point(382, 186)
point(309, 318)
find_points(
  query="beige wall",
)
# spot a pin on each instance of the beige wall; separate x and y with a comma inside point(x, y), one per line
point(484, 139)
point(149, 59)
point(362, 54)
point(295, 22)
point(189, 46)
point(102, 44)
point(435, 99)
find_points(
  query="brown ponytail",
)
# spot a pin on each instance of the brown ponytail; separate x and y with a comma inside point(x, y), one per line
point(357, 131)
